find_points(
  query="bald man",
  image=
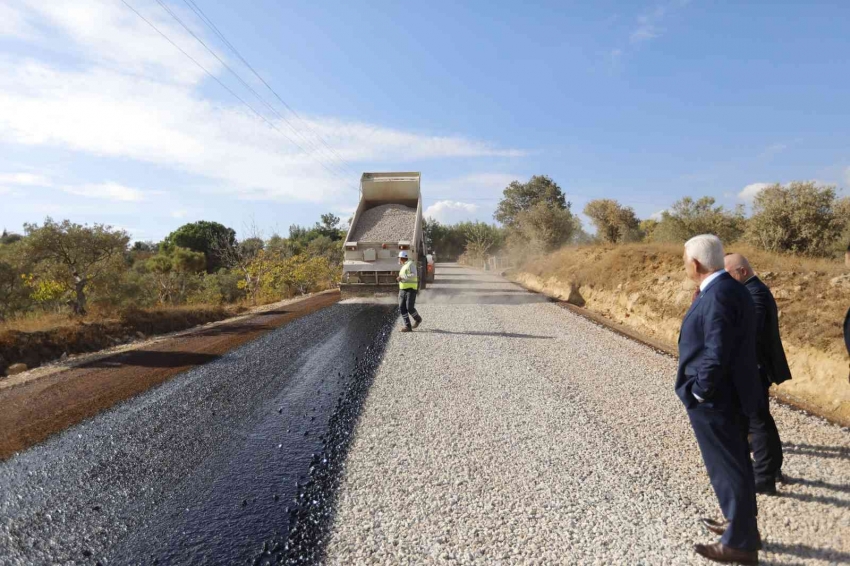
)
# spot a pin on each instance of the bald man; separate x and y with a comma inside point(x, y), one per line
point(772, 367)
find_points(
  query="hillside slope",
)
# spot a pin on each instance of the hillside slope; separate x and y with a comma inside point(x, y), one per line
point(644, 287)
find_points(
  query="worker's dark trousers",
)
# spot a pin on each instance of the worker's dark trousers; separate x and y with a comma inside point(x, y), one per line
point(407, 306)
point(766, 445)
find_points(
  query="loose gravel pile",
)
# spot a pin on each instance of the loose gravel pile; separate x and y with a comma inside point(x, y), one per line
point(386, 223)
point(524, 434)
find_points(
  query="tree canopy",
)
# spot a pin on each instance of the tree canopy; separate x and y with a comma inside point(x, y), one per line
point(206, 237)
point(519, 197)
point(614, 222)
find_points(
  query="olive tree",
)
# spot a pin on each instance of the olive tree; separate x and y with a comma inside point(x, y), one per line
point(76, 255)
point(688, 218)
point(614, 222)
point(519, 197)
point(800, 217)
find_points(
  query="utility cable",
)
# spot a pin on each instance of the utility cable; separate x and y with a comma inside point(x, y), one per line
point(204, 18)
point(165, 7)
point(224, 86)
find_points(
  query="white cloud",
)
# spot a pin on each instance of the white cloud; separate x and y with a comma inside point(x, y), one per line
point(649, 23)
point(107, 191)
point(449, 212)
point(132, 95)
point(749, 192)
point(25, 180)
point(14, 23)
point(657, 215)
point(847, 177)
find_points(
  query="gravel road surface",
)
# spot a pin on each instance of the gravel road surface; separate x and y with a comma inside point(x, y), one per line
point(219, 465)
point(507, 430)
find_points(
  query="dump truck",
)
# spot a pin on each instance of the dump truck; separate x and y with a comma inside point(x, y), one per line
point(388, 220)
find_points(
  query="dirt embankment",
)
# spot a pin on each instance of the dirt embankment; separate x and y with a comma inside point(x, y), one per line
point(80, 337)
point(643, 287)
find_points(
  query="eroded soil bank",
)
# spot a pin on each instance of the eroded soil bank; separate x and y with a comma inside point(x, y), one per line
point(644, 287)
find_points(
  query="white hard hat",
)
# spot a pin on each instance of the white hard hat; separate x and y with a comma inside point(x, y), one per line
point(402, 254)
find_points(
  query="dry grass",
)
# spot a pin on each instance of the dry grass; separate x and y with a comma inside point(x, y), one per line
point(36, 340)
point(811, 310)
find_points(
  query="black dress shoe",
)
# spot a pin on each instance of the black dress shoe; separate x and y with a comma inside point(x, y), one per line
point(778, 477)
point(766, 487)
point(719, 552)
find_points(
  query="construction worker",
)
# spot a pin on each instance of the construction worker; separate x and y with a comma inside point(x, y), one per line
point(408, 285)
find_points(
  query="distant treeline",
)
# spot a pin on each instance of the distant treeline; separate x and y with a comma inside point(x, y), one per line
point(535, 218)
point(63, 266)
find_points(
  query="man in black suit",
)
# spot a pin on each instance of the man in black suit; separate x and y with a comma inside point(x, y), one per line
point(847, 333)
point(718, 383)
point(773, 368)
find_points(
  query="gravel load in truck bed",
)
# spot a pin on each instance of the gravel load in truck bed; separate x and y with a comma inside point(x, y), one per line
point(386, 223)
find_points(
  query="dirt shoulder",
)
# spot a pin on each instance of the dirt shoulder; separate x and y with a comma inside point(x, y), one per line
point(38, 404)
point(643, 288)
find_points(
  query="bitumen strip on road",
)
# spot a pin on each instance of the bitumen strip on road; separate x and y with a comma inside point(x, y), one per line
point(232, 462)
point(34, 410)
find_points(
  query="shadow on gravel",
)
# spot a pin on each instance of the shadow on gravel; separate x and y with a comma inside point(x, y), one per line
point(805, 551)
point(823, 499)
point(463, 280)
point(817, 483)
point(817, 451)
point(493, 334)
point(154, 359)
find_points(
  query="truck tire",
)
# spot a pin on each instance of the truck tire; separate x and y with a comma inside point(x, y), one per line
point(423, 281)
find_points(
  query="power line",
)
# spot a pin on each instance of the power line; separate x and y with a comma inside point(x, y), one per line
point(338, 173)
point(224, 86)
point(204, 18)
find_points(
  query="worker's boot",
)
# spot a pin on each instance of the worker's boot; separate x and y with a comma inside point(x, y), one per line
point(406, 329)
point(417, 322)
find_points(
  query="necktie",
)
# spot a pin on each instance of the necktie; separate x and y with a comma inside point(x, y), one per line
point(696, 295)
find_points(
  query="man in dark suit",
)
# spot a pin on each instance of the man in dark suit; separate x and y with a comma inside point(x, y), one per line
point(847, 332)
point(773, 368)
point(718, 384)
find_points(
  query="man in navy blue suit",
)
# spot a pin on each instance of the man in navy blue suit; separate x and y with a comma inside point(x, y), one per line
point(718, 384)
point(773, 368)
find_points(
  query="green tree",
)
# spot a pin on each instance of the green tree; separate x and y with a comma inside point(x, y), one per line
point(800, 218)
point(174, 269)
point(688, 218)
point(76, 255)
point(8, 238)
point(209, 238)
point(842, 244)
point(325, 247)
point(519, 197)
point(543, 228)
point(614, 223)
point(481, 239)
point(329, 227)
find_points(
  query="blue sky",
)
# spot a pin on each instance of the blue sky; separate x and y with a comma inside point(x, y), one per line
point(104, 120)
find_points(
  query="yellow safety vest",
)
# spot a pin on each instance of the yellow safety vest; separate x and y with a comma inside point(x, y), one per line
point(408, 275)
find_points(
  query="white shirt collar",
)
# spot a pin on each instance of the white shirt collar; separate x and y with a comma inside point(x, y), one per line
point(709, 279)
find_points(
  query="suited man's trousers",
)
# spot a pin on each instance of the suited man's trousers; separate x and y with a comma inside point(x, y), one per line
point(766, 445)
point(722, 439)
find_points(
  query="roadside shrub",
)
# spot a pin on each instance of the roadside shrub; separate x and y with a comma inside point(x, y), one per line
point(688, 218)
point(799, 218)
